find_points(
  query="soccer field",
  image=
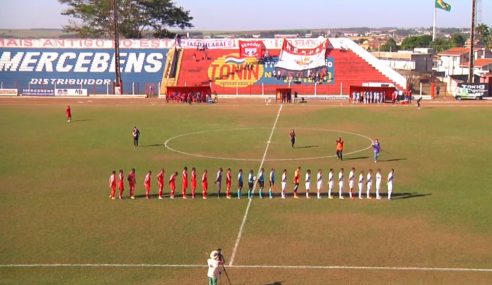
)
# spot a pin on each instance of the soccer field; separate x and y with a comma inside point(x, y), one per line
point(59, 227)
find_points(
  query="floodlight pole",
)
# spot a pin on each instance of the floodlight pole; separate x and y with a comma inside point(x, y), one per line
point(117, 84)
point(472, 44)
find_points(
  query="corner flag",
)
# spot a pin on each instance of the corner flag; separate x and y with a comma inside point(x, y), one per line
point(443, 5)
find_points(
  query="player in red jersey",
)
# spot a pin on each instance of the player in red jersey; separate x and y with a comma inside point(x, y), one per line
point(121, 185)
point(172, 183)
point(184, 180)
point(193, 182)
point(204, 184)
point(68, 114)
point(160, 182)
point(147, 180)
point(112, 184)
point(132, 182)
point(228, 183)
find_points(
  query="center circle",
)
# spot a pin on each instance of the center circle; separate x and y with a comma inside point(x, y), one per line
point(246, 144)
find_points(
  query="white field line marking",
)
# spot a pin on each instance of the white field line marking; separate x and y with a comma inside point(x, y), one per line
point(168, 141)
point(238, 239)
point(317, 267)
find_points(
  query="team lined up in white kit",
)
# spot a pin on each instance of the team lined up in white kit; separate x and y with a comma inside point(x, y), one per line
point(363, 181)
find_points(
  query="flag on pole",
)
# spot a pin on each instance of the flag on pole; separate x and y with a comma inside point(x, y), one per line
point(443, 5)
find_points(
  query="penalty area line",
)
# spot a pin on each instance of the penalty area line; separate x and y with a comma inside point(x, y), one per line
point(301, 267)
point(238, 239)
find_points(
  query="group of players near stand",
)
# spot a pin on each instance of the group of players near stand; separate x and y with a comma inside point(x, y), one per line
point(368, 97)
point(116, 182)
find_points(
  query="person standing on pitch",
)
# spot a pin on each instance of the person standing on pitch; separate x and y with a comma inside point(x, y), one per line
point(112, 184)
point(132, 181)
point(261, 182)
point(136, 136)
point(239, 183)
point(361, 183)
point(68, 114)
point(193, 182)
point(228, 183)
point(340, 184)
point(204, 184)
point(340, 143)
point(172, 184)
point(271, 181)
point(369, 183)
point(147, 180)
point(376, 149)
point(319, 183)
point(218, 181)
point(121, 183)
point(297, 181)
point(160, 182)
point(379, 178)
point(184, 182)
point(307, 181)
point(251, 183)
point(331, 183)
point(389, 183)
point(292, 136)
point(284, 183)
point(351, 179)
point(214, 269)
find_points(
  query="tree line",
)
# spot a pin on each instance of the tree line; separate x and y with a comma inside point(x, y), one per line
point(483, 34)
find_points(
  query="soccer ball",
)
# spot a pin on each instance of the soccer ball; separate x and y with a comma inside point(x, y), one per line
point(254, 178)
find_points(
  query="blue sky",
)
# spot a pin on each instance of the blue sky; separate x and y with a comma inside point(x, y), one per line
point(273, 14)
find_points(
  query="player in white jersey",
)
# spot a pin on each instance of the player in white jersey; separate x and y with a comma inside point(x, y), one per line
point(369, 183)
point(308, 182)
point(340, 184)
point(331, 183)
point(319, 182)
point(351, 179)
point(389, 183)
point(284, 182)
point(361, 183)
point(379, 177)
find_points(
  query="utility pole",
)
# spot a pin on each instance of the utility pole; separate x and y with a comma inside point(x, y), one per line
point(117, 83)
point(472, 44)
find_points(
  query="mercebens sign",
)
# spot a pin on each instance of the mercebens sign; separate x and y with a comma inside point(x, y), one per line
point(28, 66)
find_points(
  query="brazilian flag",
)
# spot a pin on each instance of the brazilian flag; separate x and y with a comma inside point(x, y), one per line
point(443, 5)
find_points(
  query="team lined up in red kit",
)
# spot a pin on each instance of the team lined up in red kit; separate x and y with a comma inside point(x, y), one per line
point(117, 181)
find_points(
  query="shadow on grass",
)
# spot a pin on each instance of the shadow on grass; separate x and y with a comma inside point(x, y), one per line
point(81, 120)
point(355, 158)
point(408, 195)
point(307, 146)
point(391, 159)
point(151, 145)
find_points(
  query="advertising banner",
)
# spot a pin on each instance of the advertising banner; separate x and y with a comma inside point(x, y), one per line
point(81, 68)
point(475, 89)
point(38, 92)
point(71, 92)
point(251, 49)
point(8, 92)
point(298, 59)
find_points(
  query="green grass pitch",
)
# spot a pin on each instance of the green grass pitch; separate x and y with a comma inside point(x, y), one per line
point(55, 209)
